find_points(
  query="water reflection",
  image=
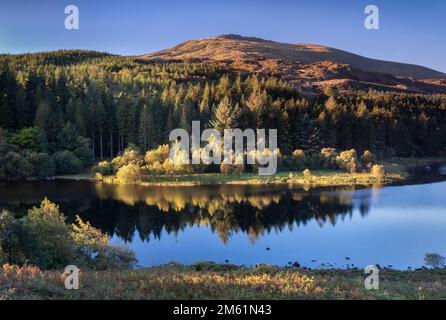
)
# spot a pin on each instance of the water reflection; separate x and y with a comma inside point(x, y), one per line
point(226, 210)
point(126, 210)
point(394, 225)
point(148, 211)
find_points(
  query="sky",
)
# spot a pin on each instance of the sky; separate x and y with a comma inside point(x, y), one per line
point(411, 31)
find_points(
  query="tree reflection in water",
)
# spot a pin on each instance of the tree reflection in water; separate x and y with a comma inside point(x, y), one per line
point(124, 211)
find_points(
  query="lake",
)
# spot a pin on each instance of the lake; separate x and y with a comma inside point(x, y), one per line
point(246, 225)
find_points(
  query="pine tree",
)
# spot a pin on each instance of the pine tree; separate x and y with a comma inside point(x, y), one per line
point(7, 95)
point(308, 135)
point(147, 129)
point(227, 115)
point(260, 106)
point(205, 105)
point(49, 119)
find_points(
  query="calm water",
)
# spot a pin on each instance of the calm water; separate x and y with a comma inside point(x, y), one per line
point(253, 224)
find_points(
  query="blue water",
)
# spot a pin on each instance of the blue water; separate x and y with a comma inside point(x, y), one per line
point(401, 225)
point(247, 225)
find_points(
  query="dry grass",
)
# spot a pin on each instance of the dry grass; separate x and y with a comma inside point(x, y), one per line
point(214, 281)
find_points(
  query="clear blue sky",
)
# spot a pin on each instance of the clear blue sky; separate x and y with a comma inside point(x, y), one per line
point(412, 31)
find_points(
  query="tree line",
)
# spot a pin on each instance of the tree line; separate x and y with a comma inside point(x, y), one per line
point(83, 106)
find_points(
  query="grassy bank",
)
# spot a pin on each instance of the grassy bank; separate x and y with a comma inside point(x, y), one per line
point(397, 170)
point(214, 281)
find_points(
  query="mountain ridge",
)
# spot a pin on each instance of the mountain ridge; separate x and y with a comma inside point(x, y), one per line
point(306, 66)
point(231, 46)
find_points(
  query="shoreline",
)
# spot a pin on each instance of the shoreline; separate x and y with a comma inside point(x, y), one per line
point(397, 172)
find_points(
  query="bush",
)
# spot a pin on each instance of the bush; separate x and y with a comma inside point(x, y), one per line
point(130, 156)
point(298, 159)
point(14, 166)
point(83, 151)
point(32, 139)
point(42, 164)
point(348, 160)
point(104, 168)
point(28, 164)
point(43, 238)
point(378, 172)
point(232, 168)
point(129, 174)
point(93, 249)
point(157, 155)
point(155, 169)
point(434, 260)
point(12, 238)
point(68, 139)
point(329, 156)
point(67, 162)
point(168, 166)
point(367, 159)
point(307, 173)
point(49, 244)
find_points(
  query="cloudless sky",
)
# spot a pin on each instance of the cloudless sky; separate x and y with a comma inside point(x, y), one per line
point(412, 31)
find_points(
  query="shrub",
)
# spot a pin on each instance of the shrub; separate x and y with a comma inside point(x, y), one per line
point(348, 160)
point(14, 166)
point(157, 155)
point(128, 174)
point(42, 164)
point(130, 156)
point(378, 172)
point(298, 154)
point(104, 168)
point(83, 151)
point(232, 168)
point(168, 166)
point(68, 139)
point(49, 242)
point(434, 260)
point(156, 169)
point(33, 139)
point(367, 159)
point(67, 162)
point(93, 249)
point(307, 173)
point(12, 238)
point(44, 239)
point(329, 158)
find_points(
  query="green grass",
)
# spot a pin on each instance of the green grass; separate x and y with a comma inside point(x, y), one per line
point(317, 178)
point(215, 281)
point(402, 165)
point(396, 169)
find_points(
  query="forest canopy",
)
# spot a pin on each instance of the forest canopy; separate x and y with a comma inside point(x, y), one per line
point(62, 111)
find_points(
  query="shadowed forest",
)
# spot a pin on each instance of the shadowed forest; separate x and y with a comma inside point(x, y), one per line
point(62, 111)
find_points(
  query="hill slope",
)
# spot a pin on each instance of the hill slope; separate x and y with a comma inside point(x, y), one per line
point(236, 48)
point(305, 64)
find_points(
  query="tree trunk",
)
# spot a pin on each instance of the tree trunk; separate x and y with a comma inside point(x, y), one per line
point(111, 144)
point(101, 144)
point(92, 144)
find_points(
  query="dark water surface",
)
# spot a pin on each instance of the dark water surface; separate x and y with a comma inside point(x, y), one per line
point(253, 224)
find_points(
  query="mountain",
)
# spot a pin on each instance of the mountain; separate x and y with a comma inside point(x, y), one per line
point(304, 64)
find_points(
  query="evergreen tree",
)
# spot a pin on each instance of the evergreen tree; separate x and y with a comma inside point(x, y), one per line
point(147, 130)
point(227, 115)
point(308, 135)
